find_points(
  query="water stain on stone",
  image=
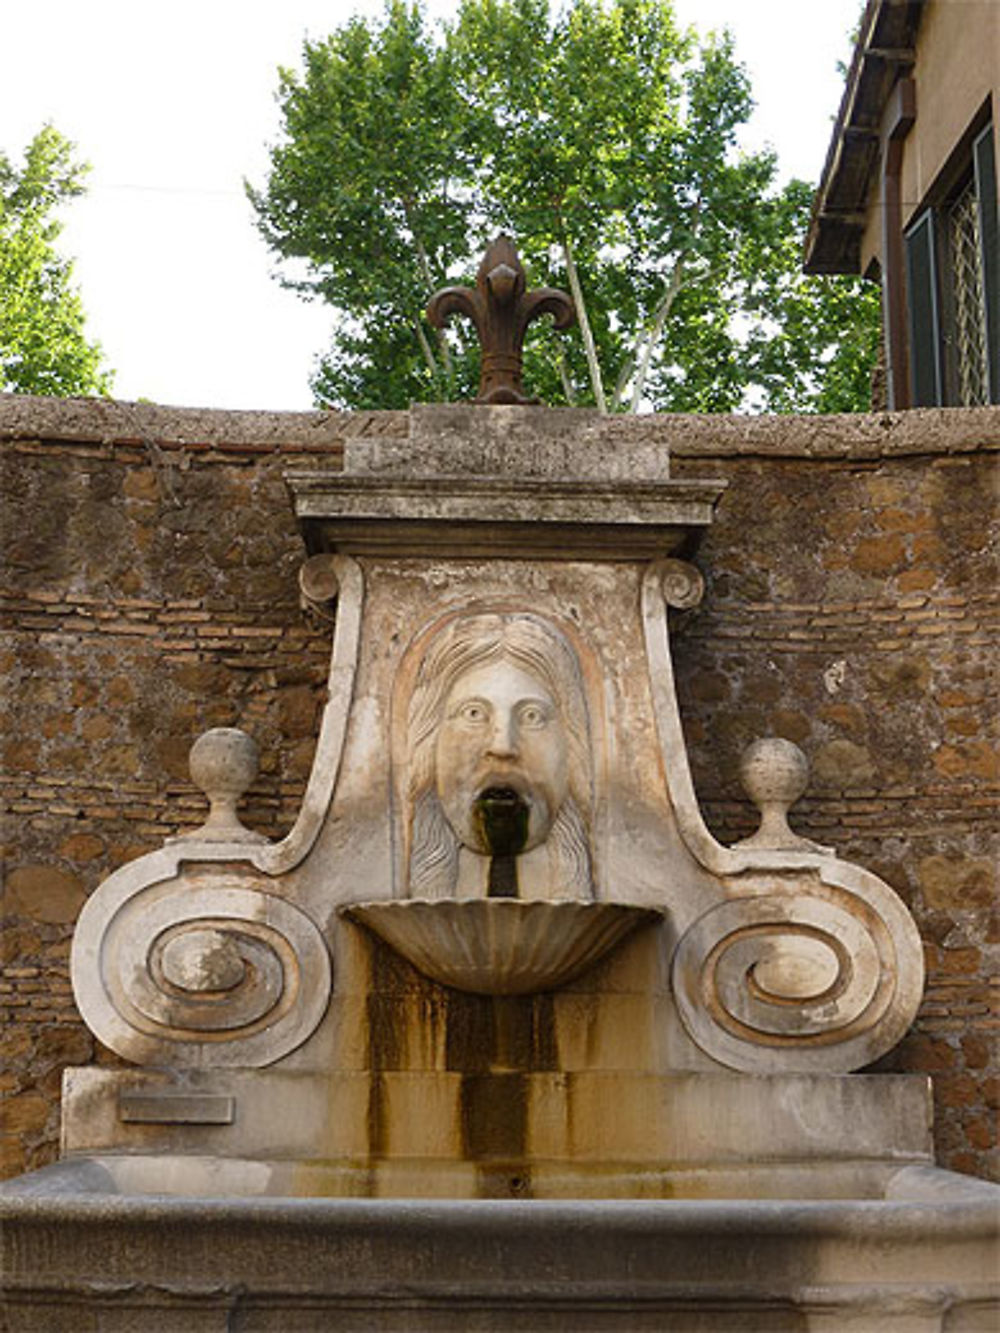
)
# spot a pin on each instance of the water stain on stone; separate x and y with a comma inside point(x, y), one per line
point(469, 1041)
point(494, 1117)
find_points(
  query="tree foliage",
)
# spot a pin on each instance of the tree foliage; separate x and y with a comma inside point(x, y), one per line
point(43, 349)
point(603, 138)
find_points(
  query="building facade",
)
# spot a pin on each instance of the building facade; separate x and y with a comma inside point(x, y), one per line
point(909, 194)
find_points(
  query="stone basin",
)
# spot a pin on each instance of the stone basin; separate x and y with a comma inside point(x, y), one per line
point(77, 1253)
point(501, 946)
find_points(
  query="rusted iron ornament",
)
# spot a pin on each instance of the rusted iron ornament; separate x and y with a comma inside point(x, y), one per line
point(501, 309)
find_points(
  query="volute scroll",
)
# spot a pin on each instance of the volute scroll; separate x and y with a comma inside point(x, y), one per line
point(805, 973)
point(808, 963)
point(204, 969)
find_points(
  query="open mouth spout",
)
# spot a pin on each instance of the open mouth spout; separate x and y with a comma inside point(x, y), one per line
point(501, 817)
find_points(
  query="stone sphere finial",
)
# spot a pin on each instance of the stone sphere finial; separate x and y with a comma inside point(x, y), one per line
point(223, 763)
point(775, 773)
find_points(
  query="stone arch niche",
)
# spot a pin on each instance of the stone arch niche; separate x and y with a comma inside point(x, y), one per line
point(499, 760)
point(493, 700)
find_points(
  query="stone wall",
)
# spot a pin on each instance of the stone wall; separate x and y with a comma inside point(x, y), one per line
point(150, 561)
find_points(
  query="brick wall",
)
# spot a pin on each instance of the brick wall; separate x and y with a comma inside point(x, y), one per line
point(150, 592)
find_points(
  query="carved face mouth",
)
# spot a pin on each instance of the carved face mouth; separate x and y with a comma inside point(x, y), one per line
point(500, 816)
point(500, 796)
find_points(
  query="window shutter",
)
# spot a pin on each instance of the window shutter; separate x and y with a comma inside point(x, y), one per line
point(922, 308)
point(984, 162)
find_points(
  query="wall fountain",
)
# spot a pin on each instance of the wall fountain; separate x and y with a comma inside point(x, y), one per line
point(499, 1036)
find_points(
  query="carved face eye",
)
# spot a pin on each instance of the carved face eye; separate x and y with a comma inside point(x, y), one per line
point(533, 716)
point(474, 712)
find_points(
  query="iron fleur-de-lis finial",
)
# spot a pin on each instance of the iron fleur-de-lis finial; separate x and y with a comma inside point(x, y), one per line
point(501, 309)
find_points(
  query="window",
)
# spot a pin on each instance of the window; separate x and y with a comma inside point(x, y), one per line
point(953, 285)
point(968, 297)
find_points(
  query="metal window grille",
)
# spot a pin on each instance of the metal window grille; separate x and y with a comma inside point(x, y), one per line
point(972, 366)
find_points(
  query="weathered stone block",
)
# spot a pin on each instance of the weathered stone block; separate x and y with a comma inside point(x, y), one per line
point(43, 893)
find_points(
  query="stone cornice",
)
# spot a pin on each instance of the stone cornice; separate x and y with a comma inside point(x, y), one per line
point(29, 421)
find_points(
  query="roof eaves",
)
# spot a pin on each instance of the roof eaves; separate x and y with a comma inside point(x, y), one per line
point(884, 48)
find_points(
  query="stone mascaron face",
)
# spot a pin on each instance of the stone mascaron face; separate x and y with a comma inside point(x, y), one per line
point(502, 730)
point(498, 717)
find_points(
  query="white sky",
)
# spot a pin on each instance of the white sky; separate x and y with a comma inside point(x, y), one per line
point(174, 104)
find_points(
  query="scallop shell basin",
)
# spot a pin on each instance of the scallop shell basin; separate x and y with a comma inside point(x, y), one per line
point(501, 946)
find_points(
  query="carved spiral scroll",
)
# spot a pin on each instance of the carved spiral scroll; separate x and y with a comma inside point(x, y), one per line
point(220, 974)
point(682, 584)
point(802, 981)
point(319, 585)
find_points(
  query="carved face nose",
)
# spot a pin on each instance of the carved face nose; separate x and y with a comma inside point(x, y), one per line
point(503, 735)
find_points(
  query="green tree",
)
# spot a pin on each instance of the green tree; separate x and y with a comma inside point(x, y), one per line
point(815, 339)
point(369, 189)
point(43, 349)
point(603, 138)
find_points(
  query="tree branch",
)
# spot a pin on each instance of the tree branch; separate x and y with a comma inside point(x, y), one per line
point(426, 348)
point(621, 383)
point(567, 383)
point(425, 273)
point(581, 313)
point(655, 332)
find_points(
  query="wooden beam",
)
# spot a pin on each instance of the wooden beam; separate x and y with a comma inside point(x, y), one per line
point(892, 55)
point(844, 218)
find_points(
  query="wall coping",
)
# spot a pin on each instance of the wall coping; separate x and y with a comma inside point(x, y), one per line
point(99, 421)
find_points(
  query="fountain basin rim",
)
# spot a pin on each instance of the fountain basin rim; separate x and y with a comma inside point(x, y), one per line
point(501, 946)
